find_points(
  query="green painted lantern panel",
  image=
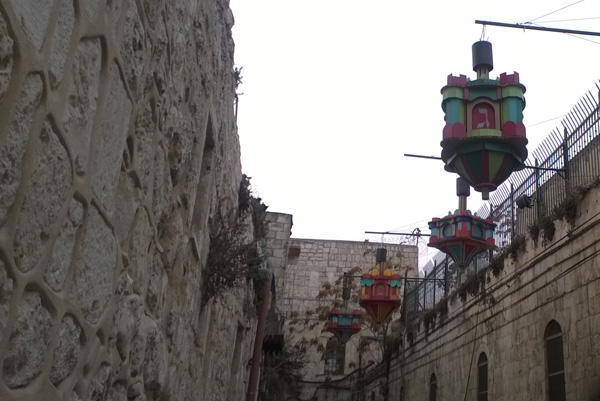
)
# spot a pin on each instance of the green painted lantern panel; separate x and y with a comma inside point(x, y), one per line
point(489, 92)
point(366, 282)
point(484, 132)
point(512, 91)
point(455, 111)
point(512, 110)
point(396, 283)
point(453, 92)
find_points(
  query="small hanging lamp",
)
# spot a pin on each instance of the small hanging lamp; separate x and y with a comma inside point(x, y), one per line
point(462, 235)
point(344, 323)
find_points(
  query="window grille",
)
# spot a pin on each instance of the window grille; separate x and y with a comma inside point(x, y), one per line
point(335, 355)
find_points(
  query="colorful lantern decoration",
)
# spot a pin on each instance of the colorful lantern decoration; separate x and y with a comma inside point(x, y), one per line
point(380, 293)
point(484, 136)
point(344, 323)
point(462, 236)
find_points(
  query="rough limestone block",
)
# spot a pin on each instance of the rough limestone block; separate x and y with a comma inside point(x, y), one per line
point(78, 119)
point(133, 49)
point(158, 287)
point(138, 256)
point(98, 388)
point(28, 342)
point(163, 187)
point(172, 239)
point(44, 198)
point(34, 17)
point(114, 124)
point(60, 42)
point(126, 322)
point(6, 290)
point(58, 264)
point(144, 146)
point(93, 280)
point(128, 199)
point(6, 57)
point(15, 143)
point(68, 350)
point(117, 392)
point(181, 142)
point(155, 363)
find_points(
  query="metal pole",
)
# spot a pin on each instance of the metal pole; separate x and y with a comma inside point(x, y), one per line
point(491, 216)
point(537, 28)
point(538, 196)
point(424, 295)
point(390, 233)
point(565, 149)
point(423, 157)
point(258, 343)
point(512, 212)
point(434, 284)
point(446, 277)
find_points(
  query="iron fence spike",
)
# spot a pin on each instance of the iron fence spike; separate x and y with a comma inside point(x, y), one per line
point(590, 102)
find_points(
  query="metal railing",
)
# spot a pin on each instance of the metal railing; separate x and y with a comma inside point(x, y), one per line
point(566, 159)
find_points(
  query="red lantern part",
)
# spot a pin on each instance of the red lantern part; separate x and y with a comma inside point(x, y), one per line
point(344, 323)
point(380, 294)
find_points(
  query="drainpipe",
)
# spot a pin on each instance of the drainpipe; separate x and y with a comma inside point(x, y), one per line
point(252, 392)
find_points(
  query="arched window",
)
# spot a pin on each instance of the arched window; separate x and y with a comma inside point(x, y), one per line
point(432, 387)
point(482, 377)
point(555, 362)
point(401, 393)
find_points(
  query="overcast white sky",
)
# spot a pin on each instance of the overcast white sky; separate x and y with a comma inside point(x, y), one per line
point(335, 92)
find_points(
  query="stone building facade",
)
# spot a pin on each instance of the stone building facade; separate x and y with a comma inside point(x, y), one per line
point(533, 330)
point(313, 265)
point(119, 158)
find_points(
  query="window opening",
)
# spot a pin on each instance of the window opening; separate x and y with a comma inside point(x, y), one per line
point(555, 362)
point(482, 377)
point(335, 355)
point(433, 388)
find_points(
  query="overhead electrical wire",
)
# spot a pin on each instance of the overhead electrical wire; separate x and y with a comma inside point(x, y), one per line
point(567, 20)
point(555, 11)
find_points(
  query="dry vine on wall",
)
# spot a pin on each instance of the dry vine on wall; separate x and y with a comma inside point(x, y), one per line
point(235, 257)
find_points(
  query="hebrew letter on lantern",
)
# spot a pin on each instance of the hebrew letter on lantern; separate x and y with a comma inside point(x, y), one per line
point(483, 116)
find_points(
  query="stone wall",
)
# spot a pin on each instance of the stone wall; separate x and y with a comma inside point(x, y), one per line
point(277, 243)
point(118, 155)
point(556, 280)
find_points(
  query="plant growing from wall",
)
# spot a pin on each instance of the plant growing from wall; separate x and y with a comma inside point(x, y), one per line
point(235, 256)
point(282, 373)
point(569, 207)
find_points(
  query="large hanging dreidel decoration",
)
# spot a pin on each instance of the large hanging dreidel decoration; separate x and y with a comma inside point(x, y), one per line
point(380, 291)
point(461, 235)
point(484, 136)
point(344, 323)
